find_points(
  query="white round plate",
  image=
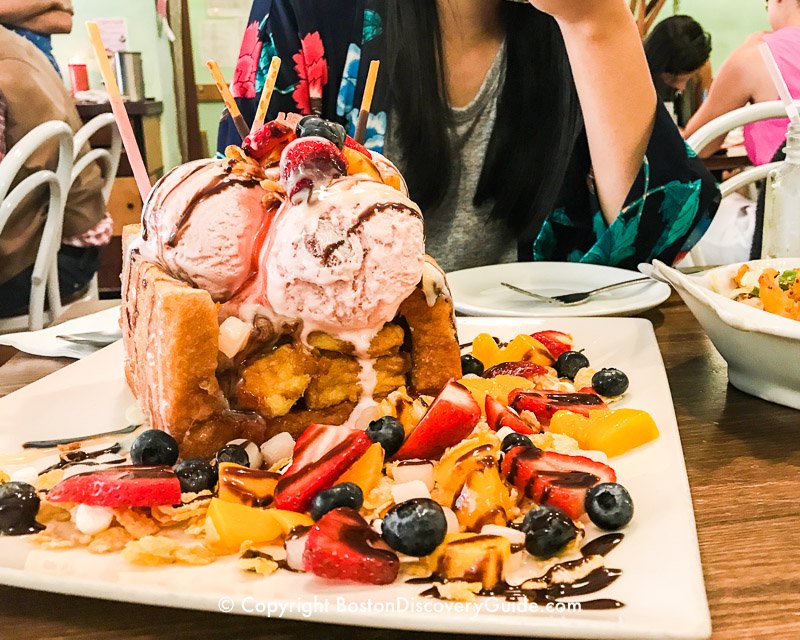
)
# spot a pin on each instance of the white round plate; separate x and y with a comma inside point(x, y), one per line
point(478, 292)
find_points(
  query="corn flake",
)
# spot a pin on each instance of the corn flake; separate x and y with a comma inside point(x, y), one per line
point(159, 550)
point(137, 523)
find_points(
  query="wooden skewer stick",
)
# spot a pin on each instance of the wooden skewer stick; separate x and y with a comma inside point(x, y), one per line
point(120, 114)
point(266, 94)
point(652, 15)
point(366, 102)
point(227, 98)
point(641, 14)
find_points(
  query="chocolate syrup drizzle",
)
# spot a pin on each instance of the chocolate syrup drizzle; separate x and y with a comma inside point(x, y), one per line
point(553, 593)
point(326, 254)
point(245, 482)
point(255, 553)
point(215, 186)
point(79, 456)
point(163, 196)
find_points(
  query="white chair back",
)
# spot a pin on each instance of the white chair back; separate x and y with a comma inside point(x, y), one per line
point(706, 134)
point(720, 127)
point(44, 280)
point(107, 158)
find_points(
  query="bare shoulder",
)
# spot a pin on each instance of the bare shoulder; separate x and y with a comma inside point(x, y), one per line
point(754, 39)
point(748, 54)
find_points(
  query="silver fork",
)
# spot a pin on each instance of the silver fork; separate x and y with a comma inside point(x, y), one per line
point(571, 299)
point(93, 338)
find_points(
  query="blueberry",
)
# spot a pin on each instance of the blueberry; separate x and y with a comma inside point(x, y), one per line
point(196, 475)
point(233, 453)
point(154, 447)
point(609, 506)
point(345, 494)
point(388, 432)
point(19, 504)
point(316, 126)
point(470, 364)
point(547, 530)
point(515, 440)
point(415, 527)
point(610, 382)
point(569, 363)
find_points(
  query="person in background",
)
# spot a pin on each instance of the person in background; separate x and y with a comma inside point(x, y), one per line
point(32, 93)
point(525, 131)
point(37, 20)
point(677, 48)
point(744, 79)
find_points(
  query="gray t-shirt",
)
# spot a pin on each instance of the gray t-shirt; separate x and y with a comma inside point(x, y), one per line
point(458, 234)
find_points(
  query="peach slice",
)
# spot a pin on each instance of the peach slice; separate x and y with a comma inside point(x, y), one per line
point(250, 487)
point(366, 471)
point(478, 452)
point(484, 499)
point(498, 387)
point(229, 524)
point(613, 432)
point(358, 163)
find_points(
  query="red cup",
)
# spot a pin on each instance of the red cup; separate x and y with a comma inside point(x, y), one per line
point(78, 77)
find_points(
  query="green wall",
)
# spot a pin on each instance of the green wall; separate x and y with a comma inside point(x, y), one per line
point(144, 36)
point(728, 21)
point(198, 16)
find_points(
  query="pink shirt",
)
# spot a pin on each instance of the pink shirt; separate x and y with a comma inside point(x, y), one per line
point(763, 139)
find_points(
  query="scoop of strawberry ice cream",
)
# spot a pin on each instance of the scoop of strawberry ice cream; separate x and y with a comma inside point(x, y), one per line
point(344, 258)
point(204, 224)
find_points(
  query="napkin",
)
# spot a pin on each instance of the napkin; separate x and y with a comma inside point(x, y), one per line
point(46, 343)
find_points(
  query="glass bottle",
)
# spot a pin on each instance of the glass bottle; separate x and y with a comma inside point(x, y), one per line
point(782, 205)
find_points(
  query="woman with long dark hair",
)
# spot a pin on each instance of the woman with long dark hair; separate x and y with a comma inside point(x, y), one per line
point(676, 49)
point(524, 131)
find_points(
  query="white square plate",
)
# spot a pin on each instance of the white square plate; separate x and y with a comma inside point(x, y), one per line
point(661, 582)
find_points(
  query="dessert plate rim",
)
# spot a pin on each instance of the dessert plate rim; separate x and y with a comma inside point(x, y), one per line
point(662, 582)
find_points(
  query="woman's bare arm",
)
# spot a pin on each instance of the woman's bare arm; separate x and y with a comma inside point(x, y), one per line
point(615, 89)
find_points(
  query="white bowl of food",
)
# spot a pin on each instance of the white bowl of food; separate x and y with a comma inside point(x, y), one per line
point(751, 312)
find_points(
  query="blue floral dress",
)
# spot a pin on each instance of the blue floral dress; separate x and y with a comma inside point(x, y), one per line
point(326, 46)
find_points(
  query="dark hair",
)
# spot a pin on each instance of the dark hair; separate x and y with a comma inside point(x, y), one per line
point(538, 115)
point(677, 45)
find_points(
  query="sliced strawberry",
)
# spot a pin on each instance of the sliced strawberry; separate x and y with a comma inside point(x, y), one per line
point(298, 486)
point(451, 417)
point(554, 478)
point(128, 486)
point(544, 404)
point(342, 546)
point(521, 369)
point(352, 144)
point(315, 442)
point(498, 416)
point(555, 342)
point(566, 491)
point(309, 161)
point(268, 142)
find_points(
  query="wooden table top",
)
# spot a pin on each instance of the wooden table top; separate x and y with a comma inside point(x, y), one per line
point(727, 160)
point(743, 458)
